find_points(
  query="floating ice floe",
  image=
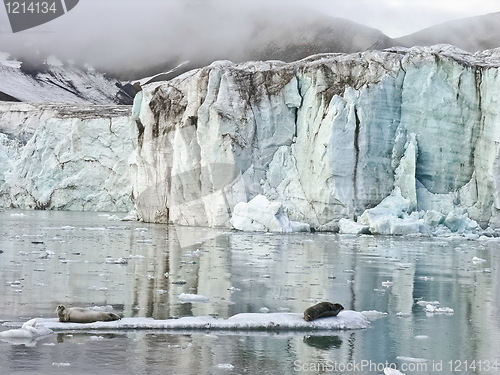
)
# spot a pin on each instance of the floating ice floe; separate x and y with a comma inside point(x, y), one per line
point(261, 215)
point(117, 260)
point(186, 297)
point(476, 260)
point(411, 359)
point(225, 366)
point(433, 309)
point(421, 337)
point(425, 303)
point(395, 215)
point(27, 334)
point(392, 371)
point(345, 320)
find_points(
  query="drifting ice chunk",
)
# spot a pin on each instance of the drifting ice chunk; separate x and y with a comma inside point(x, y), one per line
point(432, 309)
point(476, 260)
point(392, 371)
point(460, 222)
point(260, 215)
point(433, 218)
point(225, 366)
point(347, 226)
point(27, 334)
point(390, 216)
point(185, 298)
point(393, 205)
point(346, 319)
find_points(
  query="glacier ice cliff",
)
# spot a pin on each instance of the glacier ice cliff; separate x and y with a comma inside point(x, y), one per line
point(328, 137)
point(67, 157)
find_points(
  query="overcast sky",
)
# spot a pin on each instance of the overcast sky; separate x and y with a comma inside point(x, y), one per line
point(401, 17)
point(393, 17)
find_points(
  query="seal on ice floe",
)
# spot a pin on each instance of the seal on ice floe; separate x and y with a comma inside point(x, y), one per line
point(81, 315)
point(322, 310)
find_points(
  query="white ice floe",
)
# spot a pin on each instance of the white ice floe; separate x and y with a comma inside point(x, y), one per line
point(426, 278)
point(346, 319)
point(402, 314)
point(225, 366)
point(392, 371)
point(261, 215)
point(476, 260)
point(27, 334)
point(421, 337)
point(425, 303)
point(117, 260)
point(186, 297)
point(411, 359)
point(433, 309)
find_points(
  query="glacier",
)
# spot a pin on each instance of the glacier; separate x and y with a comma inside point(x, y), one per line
point(398, 141)
point(65, 157)
point(331, 138)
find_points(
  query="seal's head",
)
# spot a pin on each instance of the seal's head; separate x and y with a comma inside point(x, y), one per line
point(60, 311)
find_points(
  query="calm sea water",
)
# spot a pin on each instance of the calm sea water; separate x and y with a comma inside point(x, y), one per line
point(87, 259)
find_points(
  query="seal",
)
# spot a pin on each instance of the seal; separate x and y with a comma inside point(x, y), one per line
point(81, 315)
point(322, 310)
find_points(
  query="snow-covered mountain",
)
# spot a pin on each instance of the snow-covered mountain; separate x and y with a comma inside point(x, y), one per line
point(328, 137)
point(274, 36)
point(53, 81)
point(471, 34)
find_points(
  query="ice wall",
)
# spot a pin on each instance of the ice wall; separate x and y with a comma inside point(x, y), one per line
point(328, 137)
point(65, 157)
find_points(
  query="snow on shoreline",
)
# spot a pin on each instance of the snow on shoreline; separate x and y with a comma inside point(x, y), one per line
point(346, 320)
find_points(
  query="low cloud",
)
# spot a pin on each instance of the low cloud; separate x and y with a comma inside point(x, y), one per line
point(125, 35)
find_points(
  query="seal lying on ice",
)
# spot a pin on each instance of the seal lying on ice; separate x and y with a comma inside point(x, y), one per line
point(322, 310)
point(81, 315)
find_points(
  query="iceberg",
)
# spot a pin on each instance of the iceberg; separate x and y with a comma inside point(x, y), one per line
point(263, 216)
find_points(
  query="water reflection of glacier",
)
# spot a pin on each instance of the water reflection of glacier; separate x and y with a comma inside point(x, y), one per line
point(141, 270)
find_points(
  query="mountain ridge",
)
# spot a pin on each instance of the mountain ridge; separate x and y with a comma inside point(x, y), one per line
point(471, 34)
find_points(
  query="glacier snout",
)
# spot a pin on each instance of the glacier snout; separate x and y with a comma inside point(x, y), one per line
point(329, 137)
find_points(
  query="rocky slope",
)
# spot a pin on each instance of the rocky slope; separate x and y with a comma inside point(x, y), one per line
point(328, 137)
point(52, 81)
